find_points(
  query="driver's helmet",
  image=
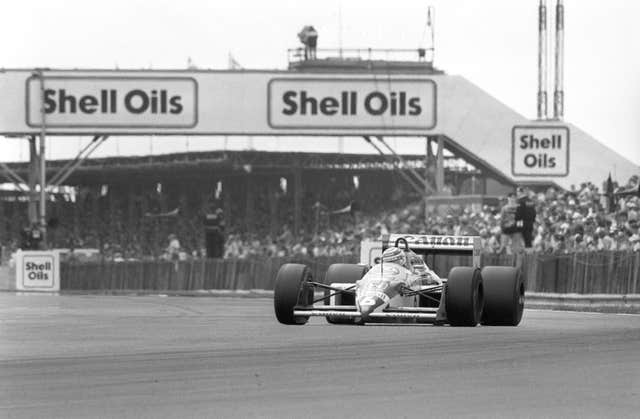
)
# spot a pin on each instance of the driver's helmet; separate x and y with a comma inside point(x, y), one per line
point(394, 255)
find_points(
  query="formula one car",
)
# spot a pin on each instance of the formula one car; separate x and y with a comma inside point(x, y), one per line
point(408, 292)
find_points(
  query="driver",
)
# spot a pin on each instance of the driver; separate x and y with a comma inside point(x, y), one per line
point(395, 255)
point(420, 273)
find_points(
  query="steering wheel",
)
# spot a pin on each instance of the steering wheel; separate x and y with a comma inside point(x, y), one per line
point(400, 240)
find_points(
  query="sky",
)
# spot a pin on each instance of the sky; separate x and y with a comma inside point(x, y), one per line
point(493, 43)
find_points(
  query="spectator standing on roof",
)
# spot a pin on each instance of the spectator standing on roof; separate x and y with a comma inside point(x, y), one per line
point(309, 38)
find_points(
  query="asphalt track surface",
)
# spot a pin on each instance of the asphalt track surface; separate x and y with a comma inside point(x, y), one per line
point(179, 357)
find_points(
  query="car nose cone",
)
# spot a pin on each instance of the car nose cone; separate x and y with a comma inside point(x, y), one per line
point(368, 304)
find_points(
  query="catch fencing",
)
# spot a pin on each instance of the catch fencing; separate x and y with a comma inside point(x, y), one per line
point(590, 272)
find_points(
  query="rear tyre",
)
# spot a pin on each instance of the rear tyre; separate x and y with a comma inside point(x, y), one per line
point(464, 296)
point(503, 296)
point(344, 273)
point(292, 290)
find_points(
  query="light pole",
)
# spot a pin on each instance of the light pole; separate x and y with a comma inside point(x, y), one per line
point(43, 170)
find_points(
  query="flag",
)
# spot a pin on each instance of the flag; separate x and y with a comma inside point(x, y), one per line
point(344, 210)
point(349, 209)
point(609, 194)
point(233, 64)
point(173, 213)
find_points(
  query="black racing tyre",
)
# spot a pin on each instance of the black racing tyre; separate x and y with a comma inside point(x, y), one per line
point(291, 290)
point(344, 273)
point(464, 296)
point(503, 296)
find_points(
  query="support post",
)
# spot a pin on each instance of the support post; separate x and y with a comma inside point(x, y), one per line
point(440, 166)
point(427, 154)
point(11, 175)
point(32, 209)
point(401, 165)
point(417, 187)
point(68, 169)
point(43, 160)
point(297, 200)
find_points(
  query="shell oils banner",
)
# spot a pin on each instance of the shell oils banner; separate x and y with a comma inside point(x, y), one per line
point(38, 271)
point(176, 102)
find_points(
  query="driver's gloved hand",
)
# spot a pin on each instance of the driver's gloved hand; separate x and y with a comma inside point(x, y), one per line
point(427, 279)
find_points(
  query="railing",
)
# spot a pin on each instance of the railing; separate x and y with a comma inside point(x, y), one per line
point(364, 54)
point(595, 272)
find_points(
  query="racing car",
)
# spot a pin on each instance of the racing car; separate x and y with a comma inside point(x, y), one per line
point(406, 292)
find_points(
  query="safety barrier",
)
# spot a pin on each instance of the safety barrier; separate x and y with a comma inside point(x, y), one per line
point(582, 273)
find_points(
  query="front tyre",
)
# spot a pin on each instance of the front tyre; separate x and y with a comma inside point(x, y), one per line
point(343, 273)
point(464, 296)
point(503, 296)
point(291, 290)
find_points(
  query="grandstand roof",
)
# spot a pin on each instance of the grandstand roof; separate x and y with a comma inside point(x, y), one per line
point(475, 124)
point(194, 164)
point(480, 126)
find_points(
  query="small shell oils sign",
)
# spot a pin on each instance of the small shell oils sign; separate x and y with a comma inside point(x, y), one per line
point(540, 151)
point(38, 270)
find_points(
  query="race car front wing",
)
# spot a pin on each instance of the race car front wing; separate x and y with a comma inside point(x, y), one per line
point(425, 314)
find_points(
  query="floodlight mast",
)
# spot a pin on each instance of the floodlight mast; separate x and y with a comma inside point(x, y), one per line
point(542, 60)
point(558, 93)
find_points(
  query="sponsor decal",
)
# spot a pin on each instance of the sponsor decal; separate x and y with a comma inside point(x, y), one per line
point(136, 101)
point(378, 284)
point(348, 103)
point(367, 301)
point(352, 103)
point(38, 271)
point(438, 240)
point(372, 294)
point(540, 151)
point(390, 270)
point(113, 102)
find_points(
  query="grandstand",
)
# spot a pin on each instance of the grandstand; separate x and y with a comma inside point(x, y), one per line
point(260, 191)
point(469, 150)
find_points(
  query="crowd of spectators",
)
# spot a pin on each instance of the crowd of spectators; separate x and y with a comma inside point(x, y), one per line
point(580, 219)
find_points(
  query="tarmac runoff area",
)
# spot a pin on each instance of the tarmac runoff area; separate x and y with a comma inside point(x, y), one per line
point(150, 356)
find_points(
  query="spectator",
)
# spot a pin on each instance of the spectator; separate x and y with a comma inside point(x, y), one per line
point(173, 249)
point(511, 239)
point(564, 222)
point(309, 38)
point(214, 233)
point(525, 217)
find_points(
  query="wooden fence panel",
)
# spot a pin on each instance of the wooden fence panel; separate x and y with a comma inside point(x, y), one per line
point(587, 272)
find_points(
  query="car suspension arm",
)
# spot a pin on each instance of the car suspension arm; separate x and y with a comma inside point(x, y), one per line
point(328, 287)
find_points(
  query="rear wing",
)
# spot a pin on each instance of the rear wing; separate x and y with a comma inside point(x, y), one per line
point(446, 244)
point(370, 251)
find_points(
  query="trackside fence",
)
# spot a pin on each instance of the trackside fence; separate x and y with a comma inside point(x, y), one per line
point(584, 273)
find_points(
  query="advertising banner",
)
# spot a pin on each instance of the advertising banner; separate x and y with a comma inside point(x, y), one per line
point(540, 151)
point(103, 102)
point(177, 102)
point(38, 271)
point(352, 103)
